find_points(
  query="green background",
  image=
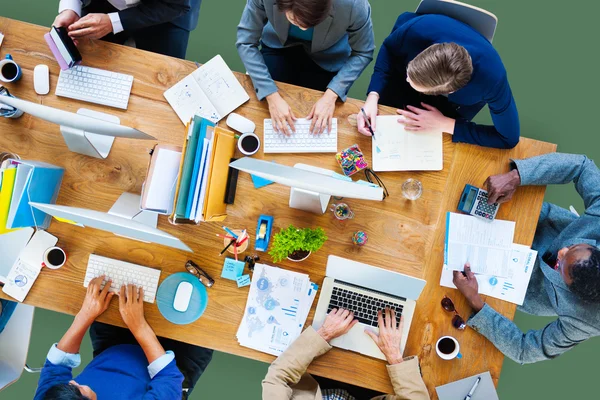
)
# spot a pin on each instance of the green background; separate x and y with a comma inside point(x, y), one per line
point(550, 55)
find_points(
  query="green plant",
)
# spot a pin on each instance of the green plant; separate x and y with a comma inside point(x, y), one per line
point(293, 239)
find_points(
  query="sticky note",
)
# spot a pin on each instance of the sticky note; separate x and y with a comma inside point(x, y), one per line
point(260, 182)
point(243, 280)
point(232, 269)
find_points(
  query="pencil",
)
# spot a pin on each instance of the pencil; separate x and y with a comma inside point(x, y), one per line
point(230, 231)
point(225, 236)
point(242, 242)
point(368, 123)
point(235, 252)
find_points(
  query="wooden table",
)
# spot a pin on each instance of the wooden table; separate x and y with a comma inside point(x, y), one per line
point(404, 236)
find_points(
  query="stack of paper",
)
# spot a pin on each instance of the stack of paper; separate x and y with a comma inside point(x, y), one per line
point(503, 269)
point(511, 288)
point(278, 304)
point(24, 182)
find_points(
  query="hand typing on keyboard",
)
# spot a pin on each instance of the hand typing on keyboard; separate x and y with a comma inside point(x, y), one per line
point(390, 336)
point(321, 114)
point(131, 307)
point(96, 300)
point(337, 323)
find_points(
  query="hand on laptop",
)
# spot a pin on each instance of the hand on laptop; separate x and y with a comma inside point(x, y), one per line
point(337, 323)
point(390, 336)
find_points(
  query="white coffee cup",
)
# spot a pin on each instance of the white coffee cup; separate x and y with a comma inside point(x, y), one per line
point(450, 348)
point(248, 144)
point(51, 255)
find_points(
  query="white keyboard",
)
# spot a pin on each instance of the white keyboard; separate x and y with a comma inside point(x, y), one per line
point(95, 86)
point(123, 273)
point(302, 141)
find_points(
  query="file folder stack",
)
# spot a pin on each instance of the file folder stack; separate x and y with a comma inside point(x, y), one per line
point(196, 192)
point(22, 182)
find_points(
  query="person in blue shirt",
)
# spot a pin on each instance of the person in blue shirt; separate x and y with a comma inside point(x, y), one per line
point(128, 364)
point(439, 73)
point(319, 44)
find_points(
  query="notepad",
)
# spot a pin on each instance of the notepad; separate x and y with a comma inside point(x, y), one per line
point(459, 389)
point(232, 269)
point(212, 91)
point(396, 149)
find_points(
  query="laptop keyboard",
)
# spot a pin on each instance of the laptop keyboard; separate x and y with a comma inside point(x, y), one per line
point(365, 307)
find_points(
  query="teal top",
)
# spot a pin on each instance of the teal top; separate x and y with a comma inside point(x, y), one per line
point(299, 34)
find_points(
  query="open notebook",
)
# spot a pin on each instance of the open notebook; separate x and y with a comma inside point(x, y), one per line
point(212, 91)
point(396, 149)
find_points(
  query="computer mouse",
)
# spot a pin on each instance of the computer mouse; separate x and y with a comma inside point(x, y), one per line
point(41, 79)
point(240, 124)
point(183, 296)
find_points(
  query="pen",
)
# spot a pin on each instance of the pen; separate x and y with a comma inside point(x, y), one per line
point(230, 231)
point(242, 242)
point(225, 236)
point(368, 123)
point(232, 241)
point(468, 397)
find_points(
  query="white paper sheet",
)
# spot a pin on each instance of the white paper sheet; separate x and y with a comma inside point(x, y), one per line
point(161, 189)
point(396, 149)
point(485, 245)
point(513, 288)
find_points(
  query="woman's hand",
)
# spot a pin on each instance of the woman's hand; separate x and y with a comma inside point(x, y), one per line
point(426, 118)
point(390, 336)
point(96, 300)
point(321, 113)
point(337, 323)
point(370, 108)
point(281, 114)
point(131, 307)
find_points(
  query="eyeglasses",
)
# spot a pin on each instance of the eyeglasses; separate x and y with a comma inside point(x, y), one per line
point(198, 272)
point(372, 177)
point(458, 322)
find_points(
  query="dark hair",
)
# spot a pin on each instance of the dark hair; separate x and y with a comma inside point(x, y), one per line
point(586, 277)
point(442, 68)
point(309, 13)
point(64, 391)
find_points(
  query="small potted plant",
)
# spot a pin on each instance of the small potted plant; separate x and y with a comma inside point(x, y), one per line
point(296, 244)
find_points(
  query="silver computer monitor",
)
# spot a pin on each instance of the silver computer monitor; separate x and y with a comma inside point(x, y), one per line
point(110, 222)
point(311, 186)
point(86, 132)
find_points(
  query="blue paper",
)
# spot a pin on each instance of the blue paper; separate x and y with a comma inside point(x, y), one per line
point(260, 182)
point(243, 280)
point(232, 269)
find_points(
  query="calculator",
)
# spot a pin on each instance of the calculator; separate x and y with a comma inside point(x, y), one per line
point(473, 201)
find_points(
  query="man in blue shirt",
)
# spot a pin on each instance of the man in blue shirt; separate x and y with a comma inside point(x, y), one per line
point(439, 73)
point(128, 364)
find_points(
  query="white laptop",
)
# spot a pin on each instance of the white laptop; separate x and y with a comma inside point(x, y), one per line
point(365, 290)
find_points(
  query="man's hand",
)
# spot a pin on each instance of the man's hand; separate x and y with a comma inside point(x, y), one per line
point(65, 18)
point(92, 26)
point(96, 300)
point(370, 108)
point(426, 118)
point(390, 336)
point(337, 323)
point(131, 307)
point(501, 188)
point(466, 283)
point(281, 114)
point(322, 112)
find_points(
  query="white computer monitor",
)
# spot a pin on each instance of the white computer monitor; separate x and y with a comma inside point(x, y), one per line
point(312, 187)
point(115, 221)
point(88, 132)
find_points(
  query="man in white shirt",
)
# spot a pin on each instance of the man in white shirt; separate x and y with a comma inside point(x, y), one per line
point(160, 26)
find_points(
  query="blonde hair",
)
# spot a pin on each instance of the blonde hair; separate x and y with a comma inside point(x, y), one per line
point(441, 68)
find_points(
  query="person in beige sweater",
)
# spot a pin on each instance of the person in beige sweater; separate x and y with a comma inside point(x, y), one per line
point(287, 377)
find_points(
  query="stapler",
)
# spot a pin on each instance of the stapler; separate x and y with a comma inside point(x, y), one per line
point(263, 232)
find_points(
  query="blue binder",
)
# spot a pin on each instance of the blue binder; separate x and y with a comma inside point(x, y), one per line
point(35, 181)
point(199, 149)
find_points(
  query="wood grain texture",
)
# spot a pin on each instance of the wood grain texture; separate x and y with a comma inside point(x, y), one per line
point(404, 236)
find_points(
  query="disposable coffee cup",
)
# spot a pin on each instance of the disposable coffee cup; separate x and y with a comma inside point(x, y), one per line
point(54, 258)
point(448, 348)
point(9, 70)
point(248, 144)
